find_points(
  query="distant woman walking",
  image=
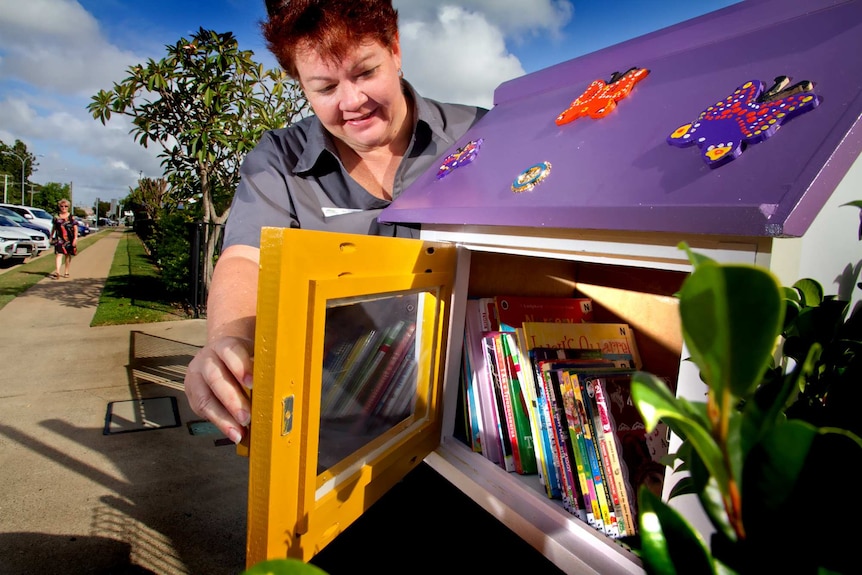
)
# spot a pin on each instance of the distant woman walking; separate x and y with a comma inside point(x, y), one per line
point(65, 238)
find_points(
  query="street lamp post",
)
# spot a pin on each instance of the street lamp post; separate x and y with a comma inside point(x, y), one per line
point(23, 164)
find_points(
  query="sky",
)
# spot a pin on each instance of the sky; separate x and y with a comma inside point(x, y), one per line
point(56, 54)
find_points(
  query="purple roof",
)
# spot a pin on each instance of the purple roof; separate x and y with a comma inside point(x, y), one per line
point(619, 172)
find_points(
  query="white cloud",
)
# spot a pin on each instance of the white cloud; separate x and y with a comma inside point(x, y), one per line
point(513, 18)
point(458, 57)
point(57, 45)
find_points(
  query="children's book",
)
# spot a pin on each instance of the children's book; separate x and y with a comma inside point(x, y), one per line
point(513, 311)
point(613, 447)
point(510, 312)
point(611, 471)
point(489, 350)
point(483, 387)
point(615, 340)
point(641, 451)
point(582, 464)
point(519, 396)
point(606, 507)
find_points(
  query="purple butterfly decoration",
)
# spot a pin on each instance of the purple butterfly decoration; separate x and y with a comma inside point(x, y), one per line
point(747, 116)
point(461, 157)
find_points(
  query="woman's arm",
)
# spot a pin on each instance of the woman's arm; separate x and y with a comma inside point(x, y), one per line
point(221, 372)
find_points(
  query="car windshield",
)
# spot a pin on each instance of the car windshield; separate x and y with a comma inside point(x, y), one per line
point(41, 214)
point(14, 216)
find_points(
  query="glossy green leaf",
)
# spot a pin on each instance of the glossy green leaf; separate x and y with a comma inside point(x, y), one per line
point(669, 544)
point(811, 291)
point(696, 259)
point(656, 403)
point(731, 316)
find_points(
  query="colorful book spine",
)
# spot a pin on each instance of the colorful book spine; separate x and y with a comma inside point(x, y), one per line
point(591, 502)
point(489, 352)
point(342, 386)
point(608, 514)
point(519, 397)
point(492, 448)
point(508, 399)
point(553, 478)
point(612, 485)
point(399, 344)
point(574, 499)
point(614, 450)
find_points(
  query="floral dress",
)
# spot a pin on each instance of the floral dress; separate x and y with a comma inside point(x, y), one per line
point(64, 233)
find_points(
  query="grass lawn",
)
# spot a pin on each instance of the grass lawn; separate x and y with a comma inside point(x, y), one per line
point(133, 292)
point(21, 277)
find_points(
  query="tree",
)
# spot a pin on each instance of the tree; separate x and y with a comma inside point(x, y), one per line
point(150, 195)
point(11, 158)
point(206, 104)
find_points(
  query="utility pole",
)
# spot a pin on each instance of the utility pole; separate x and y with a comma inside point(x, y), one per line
point(5, 185)
point(23, 163)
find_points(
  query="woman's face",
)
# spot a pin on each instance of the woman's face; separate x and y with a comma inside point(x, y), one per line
point(358, 100)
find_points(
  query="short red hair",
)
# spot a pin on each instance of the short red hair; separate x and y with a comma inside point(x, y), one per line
point(333, 27)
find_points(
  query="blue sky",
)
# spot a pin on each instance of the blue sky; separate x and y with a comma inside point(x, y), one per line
point(55, 54)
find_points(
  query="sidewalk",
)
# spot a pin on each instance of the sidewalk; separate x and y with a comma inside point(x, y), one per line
point(74, 500)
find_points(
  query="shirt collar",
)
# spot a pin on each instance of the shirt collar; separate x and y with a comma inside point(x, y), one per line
point(318, 140)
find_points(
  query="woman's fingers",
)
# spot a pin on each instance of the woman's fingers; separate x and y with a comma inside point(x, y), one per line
point(213, 388)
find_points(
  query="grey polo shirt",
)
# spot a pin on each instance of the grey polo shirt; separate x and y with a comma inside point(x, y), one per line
point(294, 178)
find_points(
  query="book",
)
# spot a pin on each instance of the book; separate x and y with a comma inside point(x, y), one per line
point(492, 448)
point(591, 502)
point(510, 313)
point(615, 340)
point(519, 397)
point(611, 473)
point(489, 352)
point(501, 365)
point(641, 451)
point(552, 372)
point(343, 379)
point(513, 311)
point(469, 401)
point(360, 387)
point(613, 446)
point(608, 513)
point(400, 341)
point(488, 314)
point(572, 495)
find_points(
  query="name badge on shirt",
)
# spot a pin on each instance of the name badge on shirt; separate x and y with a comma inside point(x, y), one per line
point(330, 212)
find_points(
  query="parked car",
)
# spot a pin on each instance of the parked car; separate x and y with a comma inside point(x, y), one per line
point(40, 240)
point(83, 228)
point(22, 221)
point(36, 215)
point(15, 243)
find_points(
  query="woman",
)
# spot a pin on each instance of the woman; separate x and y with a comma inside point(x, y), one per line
point(64, 236)
point(370, 137)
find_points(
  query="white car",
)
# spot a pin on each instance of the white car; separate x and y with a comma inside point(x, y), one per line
point(39, 237)
point(15, 243)
point(35, 215)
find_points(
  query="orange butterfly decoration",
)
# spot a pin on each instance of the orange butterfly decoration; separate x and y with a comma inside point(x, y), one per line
point(599, 99)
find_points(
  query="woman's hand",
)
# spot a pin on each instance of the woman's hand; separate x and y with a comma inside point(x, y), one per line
point(217, 381)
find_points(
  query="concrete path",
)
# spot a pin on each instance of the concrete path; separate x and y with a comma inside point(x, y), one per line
point(74, 500)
